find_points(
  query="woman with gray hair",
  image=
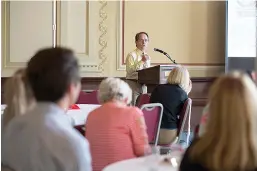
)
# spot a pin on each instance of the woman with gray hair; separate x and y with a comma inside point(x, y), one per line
point(114, 89)
point(115, 130)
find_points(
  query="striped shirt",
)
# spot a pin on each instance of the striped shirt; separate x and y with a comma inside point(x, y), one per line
point(115, 133)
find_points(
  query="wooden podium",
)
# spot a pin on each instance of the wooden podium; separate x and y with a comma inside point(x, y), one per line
point(153, 76)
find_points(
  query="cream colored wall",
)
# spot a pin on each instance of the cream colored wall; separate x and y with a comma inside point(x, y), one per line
point(23, 33)
point(192, 32)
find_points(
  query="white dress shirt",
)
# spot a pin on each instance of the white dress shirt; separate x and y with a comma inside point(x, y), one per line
point(44, 140)
point(134, 63)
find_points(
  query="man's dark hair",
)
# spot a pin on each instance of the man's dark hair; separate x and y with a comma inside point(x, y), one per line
point(138, 34)
point(51, 71)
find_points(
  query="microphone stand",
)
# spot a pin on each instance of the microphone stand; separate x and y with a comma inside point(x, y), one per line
point(168, 56)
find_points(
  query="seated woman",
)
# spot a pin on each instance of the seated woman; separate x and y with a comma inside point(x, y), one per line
point(229, 142)
point(115, 131)
point(172, 96)
point(18, 96)
point(205, 114)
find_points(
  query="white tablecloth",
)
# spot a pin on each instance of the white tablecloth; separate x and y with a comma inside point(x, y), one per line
point(78, 116)
point(3, 106)
point(144, 164)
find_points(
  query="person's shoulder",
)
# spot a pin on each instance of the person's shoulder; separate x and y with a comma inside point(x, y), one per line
point(164, 88)
point(187, 164)
point(74, 144)
point(97, 110)
point(68, 135)
point(135, 111)
point(132, 53)
point(17, 122)
point(95, 115)
point(178, 89)
point(160, 87)
point(135, 116)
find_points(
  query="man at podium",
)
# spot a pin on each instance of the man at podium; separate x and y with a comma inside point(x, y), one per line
point(137, 60)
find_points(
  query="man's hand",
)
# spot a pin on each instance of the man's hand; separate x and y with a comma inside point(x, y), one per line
point(145, 57)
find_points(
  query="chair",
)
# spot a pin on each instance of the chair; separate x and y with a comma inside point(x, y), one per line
point(184, 120)
point(196, 130)
point(88, 98)
point(185, 117)
point(81, 129)
point(153, 116)
point(142, 99)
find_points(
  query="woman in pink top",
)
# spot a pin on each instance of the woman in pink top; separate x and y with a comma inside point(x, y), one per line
point(115, 131)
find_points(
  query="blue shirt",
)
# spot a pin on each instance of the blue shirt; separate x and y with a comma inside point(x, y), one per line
point(44, 140)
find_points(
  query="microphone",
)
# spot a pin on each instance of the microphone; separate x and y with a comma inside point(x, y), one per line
point(167, 55)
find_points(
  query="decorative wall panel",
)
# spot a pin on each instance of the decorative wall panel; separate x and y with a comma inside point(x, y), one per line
point(80, 26)
point(26, 27)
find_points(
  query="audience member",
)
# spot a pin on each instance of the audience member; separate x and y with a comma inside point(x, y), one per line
point(43, 139)
point(18, 97)
point(115, 131)
point(172, 96)
point(230, 139)
point(205, 113)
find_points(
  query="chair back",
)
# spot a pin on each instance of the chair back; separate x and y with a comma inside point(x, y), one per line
point(80, 129)
point(185, 118)
point(88, 98)
point(153, 116)
point(196, 130)
point(142, 99)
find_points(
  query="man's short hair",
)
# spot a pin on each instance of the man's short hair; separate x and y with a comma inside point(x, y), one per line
point(51, 71)
point(138, 34)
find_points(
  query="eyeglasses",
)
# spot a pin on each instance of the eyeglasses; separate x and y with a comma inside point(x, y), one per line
point(143, 40)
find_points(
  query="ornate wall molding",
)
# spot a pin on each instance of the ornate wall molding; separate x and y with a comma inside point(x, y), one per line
point(66, 12)
point(103, 32)
point(119, 36)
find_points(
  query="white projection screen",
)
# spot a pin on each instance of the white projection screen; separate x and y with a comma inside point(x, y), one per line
point(241, 32)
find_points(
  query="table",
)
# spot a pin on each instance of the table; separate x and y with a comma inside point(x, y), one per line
point(2, 108)
point(78, 116)
point(145, 164)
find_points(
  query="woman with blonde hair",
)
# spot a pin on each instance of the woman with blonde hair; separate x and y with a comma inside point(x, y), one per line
point(18, 96)
point(115, 130)
point(230, 139)
point(205, 114)
point(172, 96)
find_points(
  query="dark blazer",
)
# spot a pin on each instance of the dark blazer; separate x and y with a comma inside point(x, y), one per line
point(172, 97)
